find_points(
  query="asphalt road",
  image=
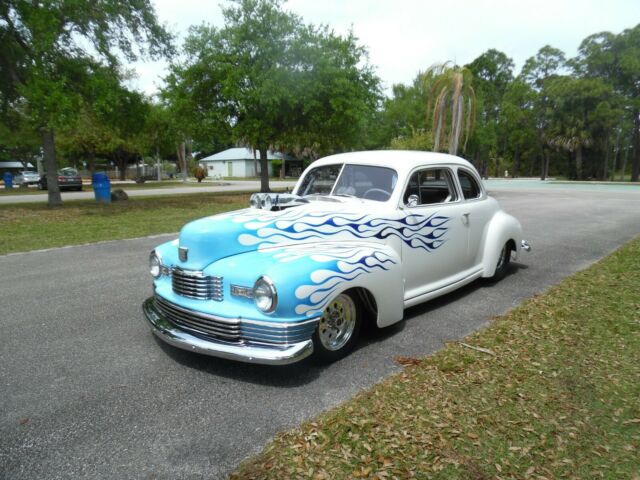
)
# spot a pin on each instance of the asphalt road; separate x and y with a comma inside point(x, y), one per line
point(87, 392)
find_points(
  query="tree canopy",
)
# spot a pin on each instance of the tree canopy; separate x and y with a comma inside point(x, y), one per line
point(273, 82)
point(52, 52)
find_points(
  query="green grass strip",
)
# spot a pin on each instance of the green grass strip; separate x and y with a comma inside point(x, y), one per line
point(35, 226)
point(554, 393)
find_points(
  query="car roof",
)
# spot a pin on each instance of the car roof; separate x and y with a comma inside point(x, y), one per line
point(403, 161)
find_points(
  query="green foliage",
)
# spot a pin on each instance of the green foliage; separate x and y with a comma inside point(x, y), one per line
point(271, 81)
point(418, 140)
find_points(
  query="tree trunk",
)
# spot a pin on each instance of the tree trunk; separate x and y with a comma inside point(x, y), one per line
point(182, 160)
point(543, 165)
point(624, 162)
point(516, 162)
point(255, 162)
point(282, 168)
point(92, 163)
point(546, 164)
point(579, 162)
point(49, 150)
point(264, 170)
point(605, 167)
point(183, 153)
point(635, 169)
point(158, 164)
point(122, 165)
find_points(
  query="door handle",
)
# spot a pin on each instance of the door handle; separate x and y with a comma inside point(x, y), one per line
point(465, 218)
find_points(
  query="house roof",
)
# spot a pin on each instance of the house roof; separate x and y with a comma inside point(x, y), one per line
point(240, 154)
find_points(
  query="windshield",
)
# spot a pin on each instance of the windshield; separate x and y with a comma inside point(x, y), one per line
point(361, 181)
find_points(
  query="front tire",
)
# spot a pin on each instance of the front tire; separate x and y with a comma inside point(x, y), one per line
point(338, 329)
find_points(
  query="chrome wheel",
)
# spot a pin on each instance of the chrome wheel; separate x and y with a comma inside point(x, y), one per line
point(338, 323)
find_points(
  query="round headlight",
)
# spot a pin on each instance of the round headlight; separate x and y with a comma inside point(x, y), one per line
point(155, 265)
point(264, 294)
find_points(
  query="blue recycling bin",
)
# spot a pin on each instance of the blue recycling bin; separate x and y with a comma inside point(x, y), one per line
point(8, 180)
point(101, 187)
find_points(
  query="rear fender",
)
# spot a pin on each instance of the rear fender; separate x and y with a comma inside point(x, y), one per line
point(502, 228)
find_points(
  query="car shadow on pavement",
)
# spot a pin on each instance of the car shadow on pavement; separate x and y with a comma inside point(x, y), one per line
point(293, 375)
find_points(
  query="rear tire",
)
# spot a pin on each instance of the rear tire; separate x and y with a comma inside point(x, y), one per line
point(502, 267)
point(338, 329)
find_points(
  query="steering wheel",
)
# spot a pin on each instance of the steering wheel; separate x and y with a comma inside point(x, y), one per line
point(377, 190)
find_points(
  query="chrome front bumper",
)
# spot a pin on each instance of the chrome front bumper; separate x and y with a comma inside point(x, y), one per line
point(245, 352)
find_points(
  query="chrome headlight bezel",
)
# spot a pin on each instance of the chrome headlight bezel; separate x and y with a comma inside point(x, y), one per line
point(265, 295)
point(155, 264)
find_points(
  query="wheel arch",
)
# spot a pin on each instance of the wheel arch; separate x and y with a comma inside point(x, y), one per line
point(502, 229)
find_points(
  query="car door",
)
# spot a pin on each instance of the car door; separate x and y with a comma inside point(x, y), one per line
point(436, 254)
point(476, 211)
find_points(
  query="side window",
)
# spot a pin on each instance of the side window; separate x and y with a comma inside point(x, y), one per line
point(432, 185)
point(470, 188)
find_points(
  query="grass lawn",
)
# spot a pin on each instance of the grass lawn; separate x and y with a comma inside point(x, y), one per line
point(554, 394)
point(35, 226)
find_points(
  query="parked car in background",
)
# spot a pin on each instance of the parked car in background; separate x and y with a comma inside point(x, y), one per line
point(26, 177)
point(68, 179)
point(362, 237)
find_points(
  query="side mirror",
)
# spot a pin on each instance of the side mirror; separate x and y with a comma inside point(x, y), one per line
point(412, 201)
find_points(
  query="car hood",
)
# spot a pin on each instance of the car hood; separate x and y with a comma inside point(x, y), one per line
point(213, 238)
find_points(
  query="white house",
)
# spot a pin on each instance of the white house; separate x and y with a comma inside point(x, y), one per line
point(237, 162)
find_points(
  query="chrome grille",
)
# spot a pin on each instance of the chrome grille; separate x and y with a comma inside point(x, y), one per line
point(235, 330)
point(194, 284)
point(199, 322)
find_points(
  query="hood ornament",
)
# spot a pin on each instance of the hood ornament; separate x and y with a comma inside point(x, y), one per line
point(183, 254)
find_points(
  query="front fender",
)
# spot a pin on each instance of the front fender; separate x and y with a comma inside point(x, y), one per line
point(502, 228)
point(307, 277)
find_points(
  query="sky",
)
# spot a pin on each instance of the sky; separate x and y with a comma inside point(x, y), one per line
point(404, 37)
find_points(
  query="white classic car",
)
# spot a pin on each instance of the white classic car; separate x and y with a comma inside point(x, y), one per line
point(361, 237)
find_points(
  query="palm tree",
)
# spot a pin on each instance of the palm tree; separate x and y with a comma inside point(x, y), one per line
point(573, 141)
point(451, 92)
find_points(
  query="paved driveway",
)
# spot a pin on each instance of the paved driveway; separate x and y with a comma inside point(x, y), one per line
point(87, 392)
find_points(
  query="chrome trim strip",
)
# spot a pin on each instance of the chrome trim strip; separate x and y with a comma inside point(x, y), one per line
point(250, 353)
point(244, 321)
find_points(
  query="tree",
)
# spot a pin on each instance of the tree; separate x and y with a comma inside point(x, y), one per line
point(51, 49)
point(492, 74)
point(547, 64)
point(615, 59)
point(452, 92)
point(518, 120)
point(274, 82)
